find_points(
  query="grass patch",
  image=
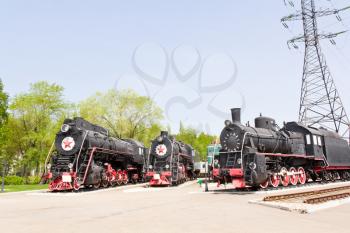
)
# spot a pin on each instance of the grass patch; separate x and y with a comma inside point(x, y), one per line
point(25, 187)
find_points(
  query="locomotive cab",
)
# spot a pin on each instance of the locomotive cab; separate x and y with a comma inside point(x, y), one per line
point(313, 139)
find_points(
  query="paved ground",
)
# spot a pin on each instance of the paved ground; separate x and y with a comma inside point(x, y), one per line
point(184, 209)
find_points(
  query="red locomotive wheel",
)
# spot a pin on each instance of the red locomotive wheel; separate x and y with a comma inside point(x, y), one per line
point(284, 177)
point(104, 180)
point(274, 180)
point(76, 185)
point(113, 183)
point(119, 179)
point(104, 183)
point(125, 178)
point(302, 175)
point(265, 184)
point(293, 177)
point(97, 185)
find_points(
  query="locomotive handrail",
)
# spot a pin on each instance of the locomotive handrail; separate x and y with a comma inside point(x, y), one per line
point(89, 163)
point(242, 147)
point(287, 155)
point(325, 161)
point(93, 150)
point(243, 141)
point(171, 162)
point(113, 152)
point(185, 155)
point(48, 155)
point(148, 157)
point(229, 152)
point(81, 148)
point(244, 138)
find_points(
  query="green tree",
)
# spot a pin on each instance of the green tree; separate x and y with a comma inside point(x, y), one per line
point(187, 135)
point(201, 144)
point(198, 140)
point(125, 113)
point(35, 118)
point(3, 105)
point(3, 120)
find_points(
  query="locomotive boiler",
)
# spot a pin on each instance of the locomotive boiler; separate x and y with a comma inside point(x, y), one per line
point(267, 155)
point(85, 156)
point(170, 162)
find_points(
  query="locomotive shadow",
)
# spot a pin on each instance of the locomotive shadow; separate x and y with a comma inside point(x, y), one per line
point(257, 191)
point(91, 190)
point(232, 191)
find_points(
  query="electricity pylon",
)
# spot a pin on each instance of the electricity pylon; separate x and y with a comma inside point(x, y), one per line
point(320, 103)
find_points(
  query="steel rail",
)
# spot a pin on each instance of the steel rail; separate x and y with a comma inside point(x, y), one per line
point(319, 200)
point(304, 194)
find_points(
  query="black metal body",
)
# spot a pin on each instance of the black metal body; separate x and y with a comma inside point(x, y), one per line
point(174, 153)
point(270, 148)
point(83, 137)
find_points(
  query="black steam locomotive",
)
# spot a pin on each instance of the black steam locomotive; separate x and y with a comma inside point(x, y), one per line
point(266, 155)
point(85, 156)
point(170, 162)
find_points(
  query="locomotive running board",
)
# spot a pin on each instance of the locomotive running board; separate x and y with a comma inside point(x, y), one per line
point(287, 155)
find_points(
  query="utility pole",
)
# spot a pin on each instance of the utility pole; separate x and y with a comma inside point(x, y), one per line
point(320, 103)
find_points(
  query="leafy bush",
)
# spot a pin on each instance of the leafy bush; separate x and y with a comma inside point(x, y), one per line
point(32, 180)
point(14, 180)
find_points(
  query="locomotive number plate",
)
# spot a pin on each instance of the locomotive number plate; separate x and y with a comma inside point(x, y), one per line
point(67, 178)
point(156, 176)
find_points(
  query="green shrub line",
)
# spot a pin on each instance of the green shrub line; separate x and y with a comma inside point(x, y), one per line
point(17, 180)
point(24, 187)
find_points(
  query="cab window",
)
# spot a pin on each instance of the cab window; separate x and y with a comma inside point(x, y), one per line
point(308, 139)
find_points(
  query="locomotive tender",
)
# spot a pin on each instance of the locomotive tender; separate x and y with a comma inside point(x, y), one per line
point(86, 156)
point(170, 162)
point(266, 155)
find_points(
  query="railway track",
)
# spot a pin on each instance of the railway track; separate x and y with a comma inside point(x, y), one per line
point(312, 197)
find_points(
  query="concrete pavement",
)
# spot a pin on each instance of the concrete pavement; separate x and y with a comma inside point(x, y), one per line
point(184, 209)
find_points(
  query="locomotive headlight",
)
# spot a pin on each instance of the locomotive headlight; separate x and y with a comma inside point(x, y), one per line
point(159, 139)
point(167, 166)
point(65, 128)
point(239, 161)
point(70, 165)
point(150, 166)
point(252, 166)
point(227, 122)
point(48, 166)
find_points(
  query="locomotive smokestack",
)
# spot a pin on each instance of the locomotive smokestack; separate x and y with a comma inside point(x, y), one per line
point(236, 115)
point(164, 133)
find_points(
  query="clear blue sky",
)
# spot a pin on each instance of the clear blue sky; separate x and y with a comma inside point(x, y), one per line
point(86, 46)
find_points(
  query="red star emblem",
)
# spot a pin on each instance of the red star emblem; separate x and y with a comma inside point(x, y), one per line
point(67, 144)
point(161, 149)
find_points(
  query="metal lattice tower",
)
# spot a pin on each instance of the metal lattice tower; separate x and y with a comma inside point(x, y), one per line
point(320, 103)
